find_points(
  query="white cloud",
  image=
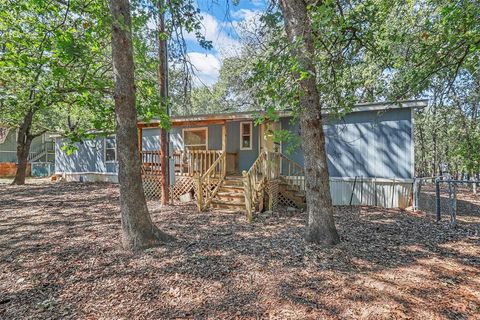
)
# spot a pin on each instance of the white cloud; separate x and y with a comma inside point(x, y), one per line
point(245, 14)
point(223, 43)
point(206, 66)
point(246, 21)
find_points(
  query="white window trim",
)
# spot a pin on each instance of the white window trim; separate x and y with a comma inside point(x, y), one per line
point(195, 129)
point(105, 149)
point(241, 135)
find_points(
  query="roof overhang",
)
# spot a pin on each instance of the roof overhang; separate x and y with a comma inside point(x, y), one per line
point(220, 118)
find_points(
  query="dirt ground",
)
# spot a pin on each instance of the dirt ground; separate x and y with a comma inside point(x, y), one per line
point(60, 258)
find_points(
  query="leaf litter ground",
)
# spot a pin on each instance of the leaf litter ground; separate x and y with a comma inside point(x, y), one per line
point(61, 258)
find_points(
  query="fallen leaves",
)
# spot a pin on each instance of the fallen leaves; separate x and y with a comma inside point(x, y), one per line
point(61, 258)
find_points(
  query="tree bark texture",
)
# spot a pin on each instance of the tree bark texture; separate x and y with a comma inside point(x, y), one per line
point(320, 226)
point(24, 140)
point(162, 87)
point(138, 230)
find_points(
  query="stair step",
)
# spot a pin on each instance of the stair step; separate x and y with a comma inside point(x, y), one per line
point(229, 205)
point(230, 188)
point(233, 183)
point(231, 196)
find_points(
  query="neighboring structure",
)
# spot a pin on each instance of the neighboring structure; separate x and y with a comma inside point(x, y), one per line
point(370, 158)
point(41, 157)
point(94, 160)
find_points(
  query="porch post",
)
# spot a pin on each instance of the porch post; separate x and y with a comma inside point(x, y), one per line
point(140, 140)
point(224, 137)
point(224, 145)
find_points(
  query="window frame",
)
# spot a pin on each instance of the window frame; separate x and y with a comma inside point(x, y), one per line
point(243, 134)
point(195, 129)
point(114, 137)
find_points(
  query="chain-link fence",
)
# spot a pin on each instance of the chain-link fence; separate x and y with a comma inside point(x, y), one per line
point(443, 196)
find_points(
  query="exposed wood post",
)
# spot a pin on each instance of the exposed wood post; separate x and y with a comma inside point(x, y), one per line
point(277, 165)
point(247, 184)
point(198, 180)
point(140, 140)
point(224, 145)
point(224, 136)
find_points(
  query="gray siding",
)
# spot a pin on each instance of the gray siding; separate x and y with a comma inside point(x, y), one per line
point(368, 144)
point(89, 157)
point(9, 147)
point(214, 137)
point(245, 157)
point(151, 139)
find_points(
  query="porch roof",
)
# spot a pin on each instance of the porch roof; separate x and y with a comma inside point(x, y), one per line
point(219, 118)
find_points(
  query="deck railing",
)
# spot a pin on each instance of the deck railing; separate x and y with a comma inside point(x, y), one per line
point(209, 183)
point(40, 151)
point(194, 162)
point(292, 172)
point(268, 168)
point(151, 162)
point(254, 182)
point(187, 163)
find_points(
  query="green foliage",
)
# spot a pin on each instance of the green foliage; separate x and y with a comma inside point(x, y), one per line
point(53, 63)
point(376, 50)
point(180, 16)
point(448, 131)
point(371, 50)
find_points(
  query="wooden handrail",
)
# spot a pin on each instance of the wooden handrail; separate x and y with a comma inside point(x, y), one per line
point(294, 172)
point(254, 181)
point(214, 165)
point(209, 182)
point(269, 166)
point(188, 163)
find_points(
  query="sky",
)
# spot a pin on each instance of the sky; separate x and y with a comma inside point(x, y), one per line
point(220, 25)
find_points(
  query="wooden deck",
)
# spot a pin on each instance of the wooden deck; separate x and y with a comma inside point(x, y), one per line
point(203, 173)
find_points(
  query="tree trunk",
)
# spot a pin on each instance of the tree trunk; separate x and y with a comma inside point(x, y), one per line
point(24, 140)
point(138, 230)
point(162, 87)
point(320, 227)
point(23, 149)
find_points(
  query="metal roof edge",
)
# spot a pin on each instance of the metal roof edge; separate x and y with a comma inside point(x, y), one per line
point(248, 115)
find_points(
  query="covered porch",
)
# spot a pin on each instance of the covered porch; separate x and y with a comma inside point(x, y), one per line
point(227, 163)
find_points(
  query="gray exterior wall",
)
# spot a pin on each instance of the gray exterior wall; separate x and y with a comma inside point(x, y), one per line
point(214, 136)
point(89, 157)
point(365, 144)
point(368, 144)
point(245, 157)
point(8, 149)
point(151, 139)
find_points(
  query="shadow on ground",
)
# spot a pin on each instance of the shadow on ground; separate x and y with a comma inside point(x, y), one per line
point(60, 257)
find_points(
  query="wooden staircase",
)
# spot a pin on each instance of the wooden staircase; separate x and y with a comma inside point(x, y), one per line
point(247, 193)
point(231, 195)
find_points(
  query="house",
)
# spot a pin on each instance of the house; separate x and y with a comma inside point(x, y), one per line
point(41, 157)
point(234, 163)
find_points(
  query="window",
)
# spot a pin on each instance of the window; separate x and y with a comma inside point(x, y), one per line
point(195, 139)
point(245, 136)
point(110, 149)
